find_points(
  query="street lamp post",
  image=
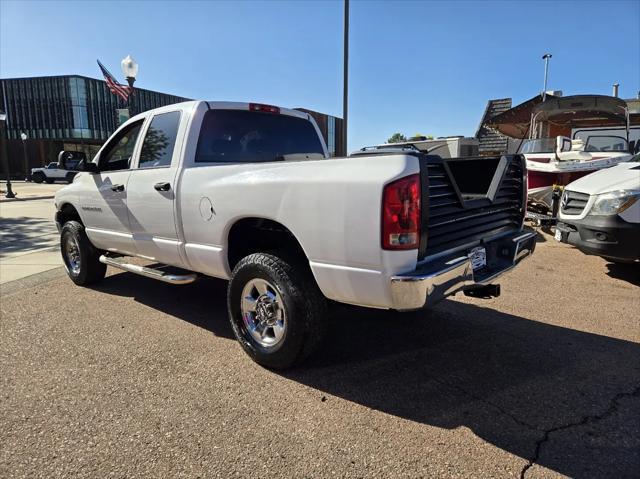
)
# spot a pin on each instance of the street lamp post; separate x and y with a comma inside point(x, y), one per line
point(23, 137)
point(5, 156)
point(130, 71)
point(546, 58)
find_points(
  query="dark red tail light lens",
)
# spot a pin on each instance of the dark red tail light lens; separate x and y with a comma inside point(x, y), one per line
point(264, 108)
point(401, 214)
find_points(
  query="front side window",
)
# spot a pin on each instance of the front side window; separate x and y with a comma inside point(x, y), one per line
point(117, 155)
point(241, 136)
point(157, 148)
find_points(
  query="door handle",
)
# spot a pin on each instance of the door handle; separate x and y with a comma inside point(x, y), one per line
point(162, 186)
point(117, 187)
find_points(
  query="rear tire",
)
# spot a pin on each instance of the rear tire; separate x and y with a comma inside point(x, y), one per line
point(80, 257)
point(276, 310)
point(37, 177)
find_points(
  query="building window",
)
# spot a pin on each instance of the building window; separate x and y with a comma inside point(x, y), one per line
point(331, 135)
point(78, 95)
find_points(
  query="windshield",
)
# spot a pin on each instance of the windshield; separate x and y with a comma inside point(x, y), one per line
point(606, 143)
point(541, 145)
point(240, 136)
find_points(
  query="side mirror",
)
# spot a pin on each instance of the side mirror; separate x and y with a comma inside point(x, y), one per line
point(76, 161)
point(70, 160)
point(88, 166)
point(632, 146)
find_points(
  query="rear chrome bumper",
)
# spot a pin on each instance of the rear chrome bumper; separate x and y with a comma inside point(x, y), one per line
point(434, 281)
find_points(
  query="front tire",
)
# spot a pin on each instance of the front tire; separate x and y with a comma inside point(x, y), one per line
point(37, 177)
point(277, 312)
point(80, 257)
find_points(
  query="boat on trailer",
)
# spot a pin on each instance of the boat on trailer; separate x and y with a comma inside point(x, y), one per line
point(555, 158)
point(555, 155)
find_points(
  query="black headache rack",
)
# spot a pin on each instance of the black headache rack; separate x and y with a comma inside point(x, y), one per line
point(465, 200)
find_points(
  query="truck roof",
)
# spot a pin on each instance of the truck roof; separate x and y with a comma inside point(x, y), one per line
point(225, 105)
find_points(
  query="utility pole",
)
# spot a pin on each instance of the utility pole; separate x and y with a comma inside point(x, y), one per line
point(546, 58)
point(345, 82)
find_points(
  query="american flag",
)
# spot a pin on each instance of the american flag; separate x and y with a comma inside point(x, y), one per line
point(116, 88)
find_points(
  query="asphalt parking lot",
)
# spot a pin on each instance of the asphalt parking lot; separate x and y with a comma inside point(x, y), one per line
point(136, 378)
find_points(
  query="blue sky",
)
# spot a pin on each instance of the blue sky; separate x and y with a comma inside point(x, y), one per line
point(425, 67)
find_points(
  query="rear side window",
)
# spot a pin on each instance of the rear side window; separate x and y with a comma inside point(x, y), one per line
point(239, 136)
point(157, 148)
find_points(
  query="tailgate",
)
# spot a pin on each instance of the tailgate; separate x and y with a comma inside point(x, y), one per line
point(467, 200)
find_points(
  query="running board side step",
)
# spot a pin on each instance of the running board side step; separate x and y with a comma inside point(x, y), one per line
point(120, 262)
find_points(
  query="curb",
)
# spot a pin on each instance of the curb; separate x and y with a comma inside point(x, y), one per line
point(9, 200)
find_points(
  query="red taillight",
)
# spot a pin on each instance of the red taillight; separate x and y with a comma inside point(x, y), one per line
point(401, 214)
point(264, 108)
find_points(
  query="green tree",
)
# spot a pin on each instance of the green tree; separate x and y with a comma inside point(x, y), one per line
point(397, 138)
point(420, 136)
point(154, 147)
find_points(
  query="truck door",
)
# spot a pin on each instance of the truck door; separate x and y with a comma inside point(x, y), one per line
point(151, 191)
point(104, 210)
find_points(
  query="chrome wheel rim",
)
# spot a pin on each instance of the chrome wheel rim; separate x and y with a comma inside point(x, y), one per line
point(72, 253)
point(263, 313)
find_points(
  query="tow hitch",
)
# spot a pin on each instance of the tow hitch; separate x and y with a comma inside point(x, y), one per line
point(486, 291)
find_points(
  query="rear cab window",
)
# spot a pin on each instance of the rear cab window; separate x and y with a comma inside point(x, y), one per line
point(241, 136)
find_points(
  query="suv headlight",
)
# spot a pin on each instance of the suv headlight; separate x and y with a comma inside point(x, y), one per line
point(614, 203)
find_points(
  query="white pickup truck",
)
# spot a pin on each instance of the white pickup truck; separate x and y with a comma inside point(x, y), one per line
point(246, 192)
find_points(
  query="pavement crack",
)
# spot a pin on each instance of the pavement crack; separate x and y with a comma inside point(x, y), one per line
point(500, 409)
point(611, 409)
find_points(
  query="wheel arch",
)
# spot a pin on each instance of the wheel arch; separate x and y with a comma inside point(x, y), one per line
point(254, 234)
point(67, 212)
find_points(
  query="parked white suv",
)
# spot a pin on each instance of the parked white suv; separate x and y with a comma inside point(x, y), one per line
point(246, 192)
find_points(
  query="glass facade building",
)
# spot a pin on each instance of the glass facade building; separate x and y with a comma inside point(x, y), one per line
point(64, 112)
point(73, 112)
